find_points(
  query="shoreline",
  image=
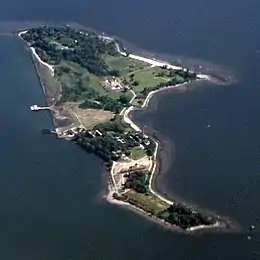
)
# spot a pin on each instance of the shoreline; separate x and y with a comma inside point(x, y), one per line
point(222, 224)
point(51, 100)
point(50, 67)
point(154, 164)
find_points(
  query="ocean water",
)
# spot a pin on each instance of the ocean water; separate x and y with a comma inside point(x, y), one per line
point(50, 189)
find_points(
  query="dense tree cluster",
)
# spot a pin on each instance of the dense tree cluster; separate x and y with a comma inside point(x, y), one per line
point(111, 144)
point(113, 140)
point(138, 181)
point(55, 44)
point(107, 103)
point(79, 86)
point(150, 149)
point(78, 56)
point(115, 124)
point(103, 146)
point(184, 217)
point(106, 147)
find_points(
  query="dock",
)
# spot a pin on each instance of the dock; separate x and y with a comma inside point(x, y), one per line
point(36, 108)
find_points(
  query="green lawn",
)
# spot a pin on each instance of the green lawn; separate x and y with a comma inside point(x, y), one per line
point(116, 94)
point(137, 153)
point(149, 203)
point(148, 78)
point(124, 65)
point(69, 79)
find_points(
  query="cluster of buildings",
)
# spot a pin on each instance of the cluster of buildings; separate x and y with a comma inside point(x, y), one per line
point(140, 138)
point(126, 141)
point(70, 133)
point(114, 83)
point(93, 133)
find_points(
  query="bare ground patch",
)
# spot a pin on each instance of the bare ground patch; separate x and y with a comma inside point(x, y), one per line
point(88, 117)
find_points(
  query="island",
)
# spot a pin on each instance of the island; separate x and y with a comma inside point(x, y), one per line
point(91, 84)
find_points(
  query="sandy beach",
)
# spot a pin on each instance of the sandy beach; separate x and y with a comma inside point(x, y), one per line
point(129, 121)
point(158, 63)
point(50, 67)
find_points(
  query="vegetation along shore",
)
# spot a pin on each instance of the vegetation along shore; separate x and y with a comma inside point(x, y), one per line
point(91, 85)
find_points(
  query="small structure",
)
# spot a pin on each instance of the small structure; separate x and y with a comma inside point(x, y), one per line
point(36, 108)
point(98, 133)
point(120, 140)
point(114, 84)
point(146, 141)
point(89, 134)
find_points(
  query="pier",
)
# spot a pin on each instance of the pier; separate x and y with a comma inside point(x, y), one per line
point(36, 108)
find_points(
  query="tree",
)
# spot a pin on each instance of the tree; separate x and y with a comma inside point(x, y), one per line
point(114, 73)
point(132, 76)
point(109, 163)
point(135, 83)
point(161, 74)
point(124, 99)
point(149, 152)
point(127, 153)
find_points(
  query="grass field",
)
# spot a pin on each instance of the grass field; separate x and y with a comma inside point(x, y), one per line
point(130, 70)
point(137, 153)
point(148, 78)
point(124, 65)
point(70, 78)
point(88, 117)
point(144, 74)
point(149, 203)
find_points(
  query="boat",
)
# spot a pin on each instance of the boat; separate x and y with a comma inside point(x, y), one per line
point(48, 131)
point(252, 227)
point(33, 107)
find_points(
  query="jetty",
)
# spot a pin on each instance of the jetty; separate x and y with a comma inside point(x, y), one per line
point(36, 108)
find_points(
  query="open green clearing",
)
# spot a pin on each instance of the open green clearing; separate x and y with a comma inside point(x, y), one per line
point(137, 153)
point(124, 65)
point(147, 202)
point(149, 78)
point(70, 74)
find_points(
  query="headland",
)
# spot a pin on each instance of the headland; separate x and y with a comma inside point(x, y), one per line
point(91, 85)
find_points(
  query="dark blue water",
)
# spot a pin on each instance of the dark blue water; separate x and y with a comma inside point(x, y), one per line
point(49, 189)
